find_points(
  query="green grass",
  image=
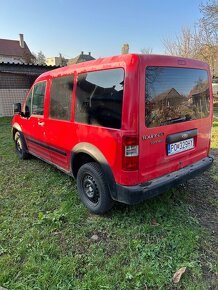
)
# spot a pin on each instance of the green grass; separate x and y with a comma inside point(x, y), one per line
point(45, 234)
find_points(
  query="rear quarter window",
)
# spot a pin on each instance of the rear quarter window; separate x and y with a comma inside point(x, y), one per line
point(61, 98)
point(99, 98)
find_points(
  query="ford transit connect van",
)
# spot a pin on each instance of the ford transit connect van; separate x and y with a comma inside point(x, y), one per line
point(126, 127)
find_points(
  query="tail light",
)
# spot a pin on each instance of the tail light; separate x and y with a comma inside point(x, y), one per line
point(130, 158)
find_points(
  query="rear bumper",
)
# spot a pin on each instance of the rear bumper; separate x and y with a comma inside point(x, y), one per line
point(137, 193)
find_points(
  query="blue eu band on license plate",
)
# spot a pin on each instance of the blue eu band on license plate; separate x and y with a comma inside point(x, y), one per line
point(180, 146)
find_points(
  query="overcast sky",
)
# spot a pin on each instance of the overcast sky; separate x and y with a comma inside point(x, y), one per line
point(69, 27)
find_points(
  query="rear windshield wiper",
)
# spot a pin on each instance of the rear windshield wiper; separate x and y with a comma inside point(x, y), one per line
point(176, 120)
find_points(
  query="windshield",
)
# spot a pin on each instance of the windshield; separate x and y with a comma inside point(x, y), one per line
point(175, 95)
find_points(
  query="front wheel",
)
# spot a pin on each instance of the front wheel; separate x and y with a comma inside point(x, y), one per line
point(93, 188)
point(20, 146)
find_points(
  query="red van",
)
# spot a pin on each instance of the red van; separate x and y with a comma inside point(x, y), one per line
point(126, 127)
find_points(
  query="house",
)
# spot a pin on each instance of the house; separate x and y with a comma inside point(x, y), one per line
point(56, 61)
point(169, 98)
point(15, 81)
point(15, 51)
point(61, 61)
point(199, 95)
point(80, 58)
point(52, 61)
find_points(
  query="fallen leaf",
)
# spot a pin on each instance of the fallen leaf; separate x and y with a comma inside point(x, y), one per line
point(178, 274)
point(94, 237)
point(154, 222)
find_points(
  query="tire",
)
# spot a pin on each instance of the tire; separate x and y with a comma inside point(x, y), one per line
point(20, 146)
point(93, 188)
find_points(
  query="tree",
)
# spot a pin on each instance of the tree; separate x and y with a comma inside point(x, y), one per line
point(202, 41)
point(28, 57)
point(39, 58)
point(210, 18)
point(183, 44)
point(147, 50)
point(208, 34)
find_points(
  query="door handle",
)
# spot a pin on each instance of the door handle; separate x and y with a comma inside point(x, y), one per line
point(41, 123)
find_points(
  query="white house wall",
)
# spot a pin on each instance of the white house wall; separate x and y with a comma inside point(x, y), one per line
point(11, 59)
point(8, 97)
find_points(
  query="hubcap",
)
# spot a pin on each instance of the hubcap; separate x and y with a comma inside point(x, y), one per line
point(19, 145)
point(90, 188)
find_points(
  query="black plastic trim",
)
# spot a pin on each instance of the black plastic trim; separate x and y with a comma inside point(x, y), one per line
point(51, 163)
point(97, 155)
point(181, 136)
point(138, 193)
point(46, 146)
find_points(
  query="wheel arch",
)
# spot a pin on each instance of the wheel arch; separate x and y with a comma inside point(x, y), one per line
point(85, 152)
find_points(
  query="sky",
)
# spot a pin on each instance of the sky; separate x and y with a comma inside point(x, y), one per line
point(101, 27)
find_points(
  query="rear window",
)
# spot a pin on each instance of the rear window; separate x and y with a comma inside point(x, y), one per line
point(99, 97)
point(175, 95)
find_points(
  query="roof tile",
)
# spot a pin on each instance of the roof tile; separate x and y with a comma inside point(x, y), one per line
point(13, 48)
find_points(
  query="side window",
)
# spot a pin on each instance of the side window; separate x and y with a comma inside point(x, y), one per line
point(99, 97)
point(28, 104)
point(61, 98)
point(38, 98)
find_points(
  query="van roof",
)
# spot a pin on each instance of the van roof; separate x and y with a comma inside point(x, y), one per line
point(122, 59)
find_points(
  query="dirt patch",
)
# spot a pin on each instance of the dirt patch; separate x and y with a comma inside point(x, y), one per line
point(203, 197)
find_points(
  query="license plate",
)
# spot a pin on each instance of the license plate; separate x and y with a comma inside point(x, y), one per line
point(180, 146)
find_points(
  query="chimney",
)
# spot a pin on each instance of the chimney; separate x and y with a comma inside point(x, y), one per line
point(125, 48)
point(82, 52)
point(89, 53)
point(21, 41)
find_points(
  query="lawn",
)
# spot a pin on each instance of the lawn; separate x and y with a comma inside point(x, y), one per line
point(48, 240)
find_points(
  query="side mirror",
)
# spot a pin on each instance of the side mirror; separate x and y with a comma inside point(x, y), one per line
point(17, 108)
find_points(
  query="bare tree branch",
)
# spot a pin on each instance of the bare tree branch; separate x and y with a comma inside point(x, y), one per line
point(201, 42)
point(147, 50)
point(182, 45)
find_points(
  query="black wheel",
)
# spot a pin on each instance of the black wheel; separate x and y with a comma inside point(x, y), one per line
point(20, 146)
point(93, 188)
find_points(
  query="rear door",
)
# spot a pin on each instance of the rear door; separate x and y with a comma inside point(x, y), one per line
point(175, 117)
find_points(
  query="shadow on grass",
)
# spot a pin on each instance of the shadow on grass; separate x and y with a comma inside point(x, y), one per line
point(201, 187)
point(165, 201)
